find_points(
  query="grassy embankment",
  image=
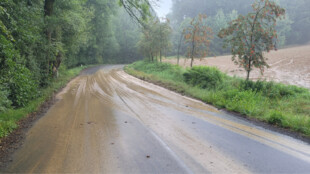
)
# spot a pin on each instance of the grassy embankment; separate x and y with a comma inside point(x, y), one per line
point(274, 103)
point(9, 119)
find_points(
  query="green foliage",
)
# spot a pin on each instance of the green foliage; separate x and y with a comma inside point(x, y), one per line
point(198, 37)
point(10, 117)
point(7, 127)
point(126, 34)
point(271, 89)
point(5, 103)
point(22, 88)
point(155, 39)
point(275, 118)
point(139, 10)
point(167, 70)
point(288, 33)
point(277, 104)
point(40, 38)
point(249, 36)
point(204, 77)
point(15, 77)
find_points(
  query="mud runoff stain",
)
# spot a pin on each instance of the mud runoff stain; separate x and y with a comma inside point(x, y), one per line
point(109, 122)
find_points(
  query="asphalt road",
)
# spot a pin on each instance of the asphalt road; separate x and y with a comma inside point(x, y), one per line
point(106, 121)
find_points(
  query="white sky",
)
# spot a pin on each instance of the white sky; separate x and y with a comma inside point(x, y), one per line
point(164, 7)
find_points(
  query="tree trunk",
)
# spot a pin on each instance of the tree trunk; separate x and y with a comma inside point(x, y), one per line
point(192, 60)
point(193, 48)
point(48, 11)
point(249, 70)
point(248, 75)
point(160, 56)
point(48, 7)
point(179, 47)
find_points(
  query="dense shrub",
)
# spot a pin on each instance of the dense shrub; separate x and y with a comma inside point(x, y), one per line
point(7, 127)
point(204, 77)
point(20, 85)
point(271, 89)
point(275, 118)
point(5, 103)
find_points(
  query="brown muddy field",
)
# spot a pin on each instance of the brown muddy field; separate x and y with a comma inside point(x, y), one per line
point(289, 66)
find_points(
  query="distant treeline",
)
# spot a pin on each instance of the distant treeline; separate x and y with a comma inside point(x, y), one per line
point(293, 30)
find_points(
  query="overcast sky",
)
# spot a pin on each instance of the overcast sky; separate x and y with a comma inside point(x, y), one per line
point(164, 7)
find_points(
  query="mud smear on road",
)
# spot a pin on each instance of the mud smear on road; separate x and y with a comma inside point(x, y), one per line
point(110, 122)
point(12, 142)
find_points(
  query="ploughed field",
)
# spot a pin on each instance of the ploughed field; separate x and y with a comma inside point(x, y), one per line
point(289, 66)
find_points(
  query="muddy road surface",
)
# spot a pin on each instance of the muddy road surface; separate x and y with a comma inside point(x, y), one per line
point(106, 121)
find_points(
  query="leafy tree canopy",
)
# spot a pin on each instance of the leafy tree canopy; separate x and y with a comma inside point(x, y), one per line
point(250, 35)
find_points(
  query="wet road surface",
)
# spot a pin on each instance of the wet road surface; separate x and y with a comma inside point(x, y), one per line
point(109, 122)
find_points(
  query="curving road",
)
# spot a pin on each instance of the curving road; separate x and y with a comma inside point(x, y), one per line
point(106, 121)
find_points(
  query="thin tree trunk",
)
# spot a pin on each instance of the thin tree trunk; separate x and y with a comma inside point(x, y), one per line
point(193, 49)
point(48, 11)
point(248, 75)
point(249, 70)
point(179, 47)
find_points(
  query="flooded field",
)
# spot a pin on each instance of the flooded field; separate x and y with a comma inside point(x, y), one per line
point(288, 66)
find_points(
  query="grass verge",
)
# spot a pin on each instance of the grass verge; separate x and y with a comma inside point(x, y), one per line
point(277, 104)
point(9, 119)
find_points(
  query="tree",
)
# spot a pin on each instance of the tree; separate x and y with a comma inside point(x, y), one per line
point(139, 10)
point(249, 36)
point(147, 44)
point(155, 39)
point(180, 36)
point(126, 34)
point(163, 31)
point(198, 36)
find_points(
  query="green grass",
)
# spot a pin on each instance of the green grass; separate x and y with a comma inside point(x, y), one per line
point(9, 119)
point(277, 104)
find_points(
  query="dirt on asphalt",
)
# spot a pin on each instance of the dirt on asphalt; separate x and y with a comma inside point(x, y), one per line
point(106, 121)
point(289, 66)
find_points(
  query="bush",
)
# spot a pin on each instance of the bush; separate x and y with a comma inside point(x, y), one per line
point(5, 103)
point(20, 85)
point(7, 127)
point(275, 118)
point(271, 89)
point(204, 77)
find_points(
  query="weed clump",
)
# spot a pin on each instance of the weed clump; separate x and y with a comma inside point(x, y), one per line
point(204, 77)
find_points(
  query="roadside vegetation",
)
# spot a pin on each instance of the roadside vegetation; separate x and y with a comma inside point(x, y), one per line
point(274, 103)
point(9, 116)
point(39, 39)
point(248, 37)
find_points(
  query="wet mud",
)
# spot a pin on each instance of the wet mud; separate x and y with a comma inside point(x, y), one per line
point(290, 66)
point(106, 121)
